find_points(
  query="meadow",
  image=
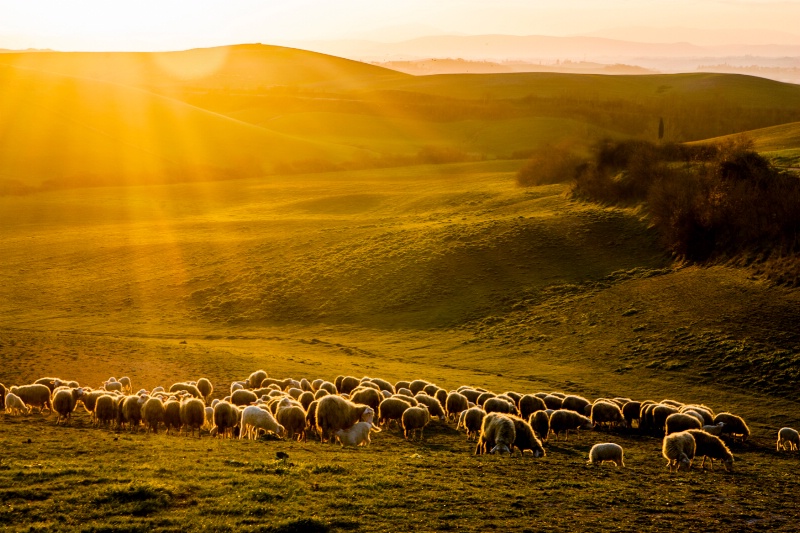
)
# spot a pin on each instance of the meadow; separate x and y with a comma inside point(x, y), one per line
point(206, 256)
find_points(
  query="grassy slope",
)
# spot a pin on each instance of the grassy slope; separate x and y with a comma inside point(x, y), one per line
point(448, 273)
point(110, 133)
point(780, 143)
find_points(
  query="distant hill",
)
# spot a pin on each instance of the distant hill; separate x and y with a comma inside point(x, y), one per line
point(425, 67)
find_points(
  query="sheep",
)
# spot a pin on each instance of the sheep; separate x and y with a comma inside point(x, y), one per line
point(471, 420)
point(126, 384)
point(255, 418)
point(471, 395)
point(193, 414)
point(672, 403)
point(306, 385)
point(316, 384)
point(575, 403)
point(305, 399)
point(515, 396)
point(226, 417)
point(293, 420)
point(711, 447)
point(153, 413)
point(131, 411)
point(206, 388)
point(3, 393)
point(113, 386)
point(735, 426)
point(417, 385)
point(311, 415)
point(243, 397)
point(407, 398)
point(187, 387)
point(36, 395)
point(715, 429)
point(89, 400)
point(50, 383)
point(497, 434)
point(402, 384)
point(499, 405)
point(431, 389)
point(529, 404)
point(347, 384)
point(540, 422)
point(483, 397)
point(255, 379)
point(525, 439)
point(105, 409)
point(383, 384)
point(367, 396)
point(209, 423)
point(606, 451)
point(630, 412)
point(434, 407)
point(356, 435)
point(391, 409)
point(320, 393)
point(660, 414)
point(402, 391)
point(329, 387)
point(677, 422)
point(295, 392)
point(564, 420)
point(678, 449)
point(606, 412)
point(14, 405)
point(413, 419)
point(334, 413)
point(441, 395)
point(790, 437)
point(455, 403)
point(64, 401)
point(553, 402)
point(702, 410)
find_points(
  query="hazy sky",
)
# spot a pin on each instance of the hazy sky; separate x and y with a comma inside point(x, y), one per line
point(177, 24)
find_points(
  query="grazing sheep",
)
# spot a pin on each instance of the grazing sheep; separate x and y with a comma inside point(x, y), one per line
point(131, 411)
point(64, 402)
point(193, 414)
point(172, 415)
point(402, 384)
point(430, 390)
point(553, 402)
point(356, 435)
point(631, 412)
point(415, 418)
point(735, 426)
point(499, 405)
point(89, 400)
point(348, 384)
point(256, 378)
point(14, 405)
point(50, 383)
point(293, 420)
point(337, 382)
point(209, 423)
point(677, 422)
point(660, 414)
point(678, 449)
point(672, 403)
point(315, 385)
point(320, 393)
point(525, 438)
point(471, 395)
point(305, 399)
point(715, 429)
point(417, 385)
point(455, 403)
point(329, 387)
point(367, 396)
point(702, 410)
point(255, 418)
point(790, 437)
point(497, 434)
point(335, 413)
point(383, 384)
point(483, 397)
point(402, 391)
point(243, 397)
point(306, 385)
point(311, 415)
point(434, 407)
point(606, 412)
point(186, 387)
point(105, 409)
point(529, 404)
point(606, 451)
point(126, 384)
point(515, 396)
point(407, 398)
point(36, 395)
point(564, 420)
point(575, 403)
point(471, 420)
point(540, 422)
point(646, 416)
point(711, 447)
point(226, 417)
point(391, 409)
point(206, 388)
point(153, 413)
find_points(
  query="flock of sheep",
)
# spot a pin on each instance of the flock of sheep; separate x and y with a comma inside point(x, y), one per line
point(345, 411)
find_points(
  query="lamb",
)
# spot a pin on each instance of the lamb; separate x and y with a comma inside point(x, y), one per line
point(525, 438)
point(206, 388)
point(455, 403)
point(497, 434)
point(677, 422)
point(529, 404)
point(15, 405)
point(335, 413)
point(153, 413)
point(434, 407)
point(356, 435)
point(105, 409)
point(293, 420)
point(402, 391)
point(226, 417)
point(255, 418)
point(64, 401)
point(515, 396)
point(606, 412)
point(243, 397)
point(193, 414)
point(540, 422)
point(415, 418)
point(36, 395)
point(711, 447)
point(678, 449)
point(471, 420)
point(295, 392)
point(431, 389)
point(735, 426)
point(606, 451)
point(790, 437)
point(575, 403)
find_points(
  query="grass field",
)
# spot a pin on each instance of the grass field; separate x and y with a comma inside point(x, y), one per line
point(445, 272)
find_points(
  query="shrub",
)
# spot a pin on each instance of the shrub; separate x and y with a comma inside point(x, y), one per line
point(548, 165)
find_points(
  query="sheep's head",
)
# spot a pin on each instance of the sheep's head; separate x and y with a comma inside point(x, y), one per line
point(539, 453)
point(501, 448)
point(728, 464)
point(684, 462)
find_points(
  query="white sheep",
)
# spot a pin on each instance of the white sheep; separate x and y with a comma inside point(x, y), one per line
point(255, 418)
point(790, 437)
point(356, 435)
point(715, 429)
point(15, 405)
point(679, 449)
point(606, 451)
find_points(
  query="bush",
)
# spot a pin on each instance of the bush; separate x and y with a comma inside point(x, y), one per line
point(548, 165)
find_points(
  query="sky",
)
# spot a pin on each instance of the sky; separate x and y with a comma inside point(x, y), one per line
point(181, 24)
